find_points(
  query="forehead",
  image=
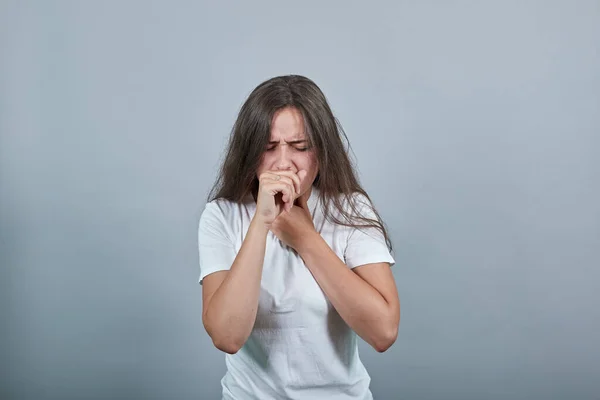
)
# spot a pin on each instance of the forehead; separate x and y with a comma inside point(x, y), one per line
point(287, 125)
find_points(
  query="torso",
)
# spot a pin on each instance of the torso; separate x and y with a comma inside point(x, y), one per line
point(299, 347)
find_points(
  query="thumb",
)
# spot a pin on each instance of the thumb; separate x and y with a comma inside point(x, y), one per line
point(302, 174)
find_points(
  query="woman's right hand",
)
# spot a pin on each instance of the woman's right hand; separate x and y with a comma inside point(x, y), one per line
point(277, 191)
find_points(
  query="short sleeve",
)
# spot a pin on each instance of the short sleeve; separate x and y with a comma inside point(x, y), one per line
point(366, 245)
point(215, 248)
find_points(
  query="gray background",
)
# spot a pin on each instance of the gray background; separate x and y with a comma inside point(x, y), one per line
point(475, 126)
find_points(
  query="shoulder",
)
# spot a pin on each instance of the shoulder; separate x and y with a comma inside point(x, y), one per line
point(218, 207)
point(215, 209)
point(356, 204)
point(218, 212)
point(349, 212)
point(225, 215)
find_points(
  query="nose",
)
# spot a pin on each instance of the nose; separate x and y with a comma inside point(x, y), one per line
point(284, 161)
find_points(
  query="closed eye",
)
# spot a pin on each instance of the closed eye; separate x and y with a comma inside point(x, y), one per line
point(296, 148)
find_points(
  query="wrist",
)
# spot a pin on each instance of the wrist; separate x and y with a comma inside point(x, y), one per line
point(309, 242)
point(258, 226)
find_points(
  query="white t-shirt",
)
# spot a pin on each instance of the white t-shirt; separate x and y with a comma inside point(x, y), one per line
point(300, 347)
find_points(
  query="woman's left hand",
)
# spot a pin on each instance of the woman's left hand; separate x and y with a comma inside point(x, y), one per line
point(295, 227)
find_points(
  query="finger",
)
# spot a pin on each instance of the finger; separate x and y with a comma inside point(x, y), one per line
point(290, 184)
point(285, 189)
point(289, 196)
point(302, 174)
point(291, 175)
point(293, 192)
point(295, 178)
point(270, 175)
point(289, 201)
point(282, 179)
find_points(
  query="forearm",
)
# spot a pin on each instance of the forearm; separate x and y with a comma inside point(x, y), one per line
point(231, 312)
point(359, 304)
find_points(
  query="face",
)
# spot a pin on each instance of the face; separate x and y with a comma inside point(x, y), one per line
point(288, 148)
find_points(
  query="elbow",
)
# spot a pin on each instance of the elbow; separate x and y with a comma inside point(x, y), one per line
point(382, 346)
point(223, 340)
point(386, 341)
point(227, 346)
point(388, 333)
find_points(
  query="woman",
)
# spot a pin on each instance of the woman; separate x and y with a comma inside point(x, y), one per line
point(294, 259)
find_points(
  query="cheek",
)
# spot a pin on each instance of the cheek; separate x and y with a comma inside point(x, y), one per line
point(264, 165)
point(311, 163)
point(304, 162)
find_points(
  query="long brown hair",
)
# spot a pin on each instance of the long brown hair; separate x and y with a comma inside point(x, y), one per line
point(336, 180)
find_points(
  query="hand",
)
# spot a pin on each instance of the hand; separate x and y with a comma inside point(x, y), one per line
point(295, 227)
point(277, 191)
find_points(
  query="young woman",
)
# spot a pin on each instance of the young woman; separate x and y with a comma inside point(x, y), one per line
point(294, 259)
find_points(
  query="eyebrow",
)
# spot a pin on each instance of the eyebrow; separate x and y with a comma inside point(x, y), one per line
point(297, 141)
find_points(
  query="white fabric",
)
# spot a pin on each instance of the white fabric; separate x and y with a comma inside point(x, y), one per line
point(300, 347)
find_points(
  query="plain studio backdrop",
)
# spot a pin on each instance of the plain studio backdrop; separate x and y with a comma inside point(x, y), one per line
point(475, 126)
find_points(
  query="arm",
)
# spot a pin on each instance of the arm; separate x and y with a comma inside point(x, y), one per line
point(230, 298)
point(366, 297)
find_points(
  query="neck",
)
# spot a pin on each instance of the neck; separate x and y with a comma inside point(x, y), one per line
point(304, 198)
